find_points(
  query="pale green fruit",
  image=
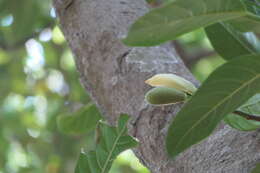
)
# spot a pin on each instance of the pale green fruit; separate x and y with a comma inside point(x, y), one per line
point(164, 95)
point(172, 81)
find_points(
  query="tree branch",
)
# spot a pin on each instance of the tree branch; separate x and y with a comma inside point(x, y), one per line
point(114, 76)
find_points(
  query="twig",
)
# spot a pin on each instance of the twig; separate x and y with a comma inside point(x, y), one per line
point(247, 116)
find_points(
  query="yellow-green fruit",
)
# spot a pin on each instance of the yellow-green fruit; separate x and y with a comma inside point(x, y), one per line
point(172, 81)
point(164, 95)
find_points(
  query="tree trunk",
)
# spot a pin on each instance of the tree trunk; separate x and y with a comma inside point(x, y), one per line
point(114, 76)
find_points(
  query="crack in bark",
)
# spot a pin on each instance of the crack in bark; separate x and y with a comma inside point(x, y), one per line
point(120, 60)
point(135, 122)
point(69, 5)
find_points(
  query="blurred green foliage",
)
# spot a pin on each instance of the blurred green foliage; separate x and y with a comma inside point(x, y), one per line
point(38, 82)
point(195, 43)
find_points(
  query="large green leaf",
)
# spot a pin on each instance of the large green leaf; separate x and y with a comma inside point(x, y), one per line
point(230, 43)
point(179, 17)
point(111, 141)
point(225, 90)
point(83, 121)
point(252, 107)
point(256, 169)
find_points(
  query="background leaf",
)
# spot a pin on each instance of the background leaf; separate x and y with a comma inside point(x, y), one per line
point(83, 121)
point(250, 22)
point(111, 142)
point(256, 169)
point(28, 18)
point(225, 90)
point(246, 24)
point(230, 43)
point(82, 165)
point(179, 17)
point(252, 106)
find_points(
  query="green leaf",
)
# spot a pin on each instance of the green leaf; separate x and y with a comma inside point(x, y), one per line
point(25, 16)
point(256, 169)
point(83, 121)
point(230, 43)
point(225, 90)
point(179, 17)
point(29, 18)
point(112, 141)
point(252, 106)
point(82, 165)
point(252, 6)
point(250, 22)
point(246, 24)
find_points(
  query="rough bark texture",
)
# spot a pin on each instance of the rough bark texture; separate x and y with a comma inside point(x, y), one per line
point(114, 76)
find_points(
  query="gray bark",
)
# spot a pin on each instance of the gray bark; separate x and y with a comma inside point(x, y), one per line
point(114, 76)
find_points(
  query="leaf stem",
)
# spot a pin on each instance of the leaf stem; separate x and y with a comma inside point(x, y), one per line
point(247, 116)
